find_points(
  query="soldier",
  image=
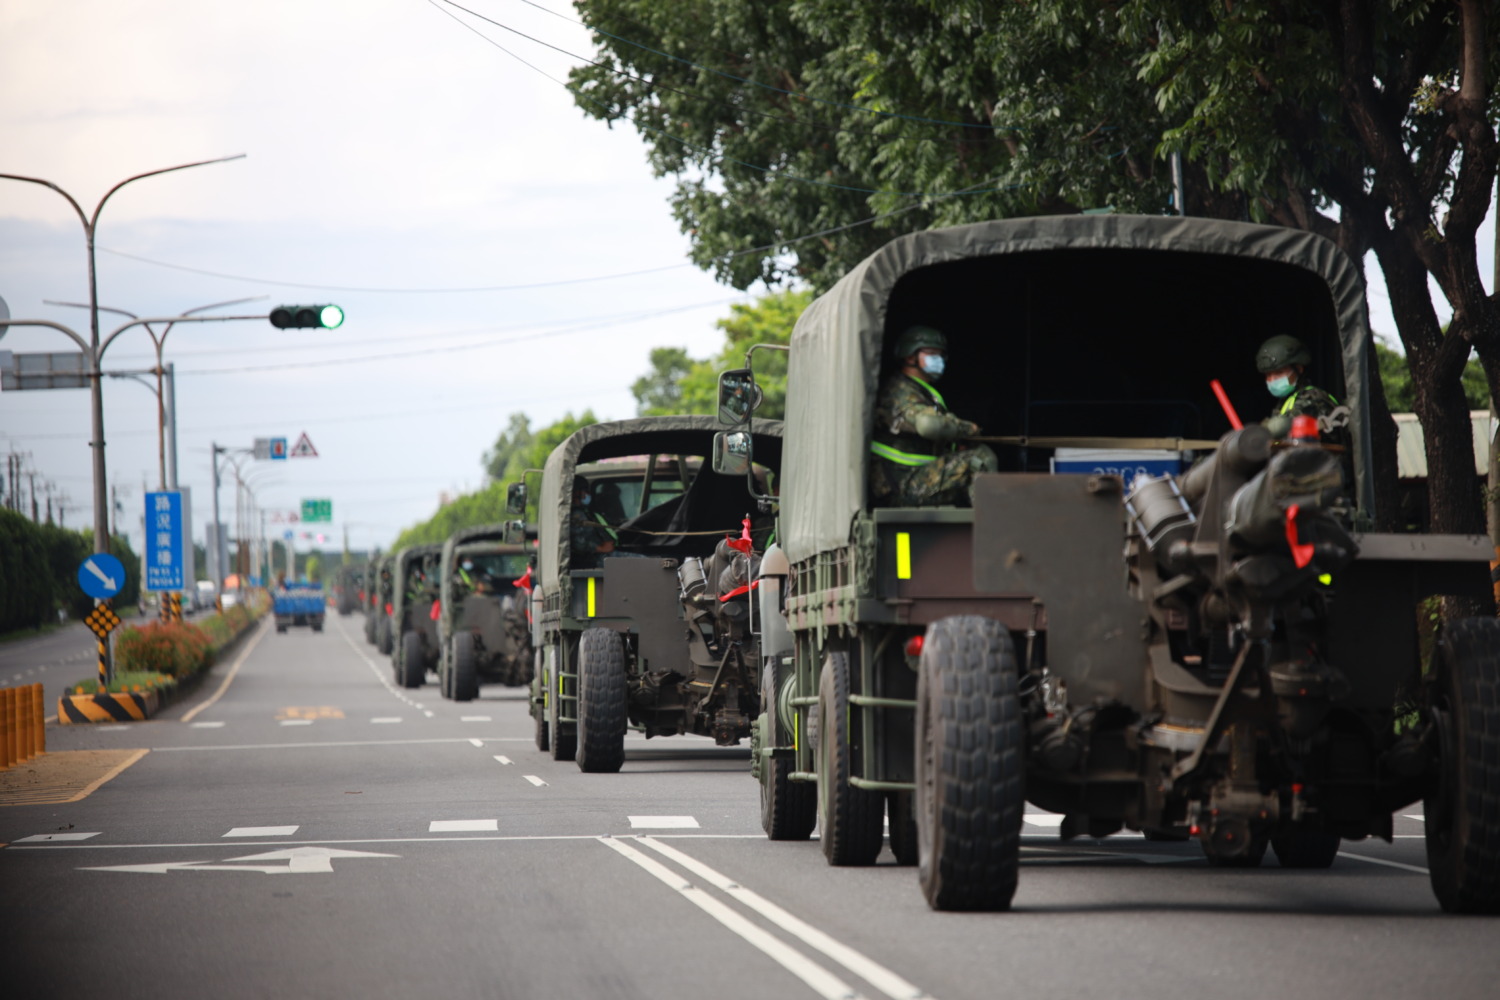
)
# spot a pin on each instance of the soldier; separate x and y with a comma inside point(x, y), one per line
point(589, 537)
point(914, 462)
point(1283, 360)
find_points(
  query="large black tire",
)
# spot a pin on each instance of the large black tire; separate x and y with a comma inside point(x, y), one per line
point(601, 702)
point(463, 680)
point(970, 766)
point(788, 809)
point(1250, 858)
point(539, 714)
point(384, 640)
point(370, 627)
point(1306, 849)
point(413, 671)
point(564, 741)
point(1462, 806)
point(850, 819)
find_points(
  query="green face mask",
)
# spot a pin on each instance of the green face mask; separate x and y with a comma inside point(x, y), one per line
point(1280, 387)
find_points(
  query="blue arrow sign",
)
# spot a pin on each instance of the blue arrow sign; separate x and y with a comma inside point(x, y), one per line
point(101, 575)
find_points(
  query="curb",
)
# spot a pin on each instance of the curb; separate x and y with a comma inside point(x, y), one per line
point(123, 707)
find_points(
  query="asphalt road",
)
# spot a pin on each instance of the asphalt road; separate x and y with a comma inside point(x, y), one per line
point(316, 832)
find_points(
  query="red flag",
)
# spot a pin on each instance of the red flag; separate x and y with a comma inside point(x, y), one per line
point(1301, 554)
point(524, 582)
point(742, 543)
point(437, 610)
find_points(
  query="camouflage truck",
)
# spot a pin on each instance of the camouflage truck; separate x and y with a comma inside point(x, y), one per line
point(415, 588)
point(1148, 618)
point(483, 632)
point(382, 604)
point(369, 595)
point(638, 639)
point(346, 589)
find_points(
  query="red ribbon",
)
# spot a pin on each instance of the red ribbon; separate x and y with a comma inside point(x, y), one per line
point(437, 610)
point(1301, 554)
point(524, 582)
point(741, 544)
point(737, 591)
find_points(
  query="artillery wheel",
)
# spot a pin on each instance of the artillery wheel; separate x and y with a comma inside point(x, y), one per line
point(463, 682)
point(412, 670)
point(564, 744)
point(970, 765)
point(1306, 849)
point(601, 701)
point(1462, 805)
point(901, 813)
point(788, 809)
point(850, 819)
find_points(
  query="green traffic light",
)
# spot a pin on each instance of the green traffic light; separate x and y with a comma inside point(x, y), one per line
point(331, 317)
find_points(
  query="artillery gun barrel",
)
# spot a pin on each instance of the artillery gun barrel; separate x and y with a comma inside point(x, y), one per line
point(1245, 451)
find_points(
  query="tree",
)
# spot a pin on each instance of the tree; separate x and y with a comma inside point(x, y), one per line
point(514, 440)
point(1396, 377)
point(1369, 122)
point(658, 391)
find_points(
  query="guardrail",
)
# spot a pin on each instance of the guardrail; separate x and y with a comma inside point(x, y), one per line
point(23, 734)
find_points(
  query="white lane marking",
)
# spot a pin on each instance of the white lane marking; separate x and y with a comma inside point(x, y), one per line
point(341, 743)
point(385, 719)
point(474, 718)
point(463, 826)
point(663, 822)
point(861, 965)
point(207, 725)
point(417, 704)
point(428, 713)
point(299, 861)
point(296, 722)
point(476, 743)
point(380, 675)
point(1416, 816)
point(1383, 861)
point(1044, 819)
point(502, 758)
point(538, 782)
point(262, 831)
point(239, 661)
point(498, 838)
point(48, 838)
point(817, 978)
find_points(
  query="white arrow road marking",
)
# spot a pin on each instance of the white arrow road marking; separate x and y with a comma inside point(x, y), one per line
point(819, 979)
point(52, 838)
point(109, 581)
point(538, 782)
point(861, 965)
point(262, 831)
point(477, 743)
point(299, 861)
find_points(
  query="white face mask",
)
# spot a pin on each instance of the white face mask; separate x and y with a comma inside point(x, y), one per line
point(932, 364)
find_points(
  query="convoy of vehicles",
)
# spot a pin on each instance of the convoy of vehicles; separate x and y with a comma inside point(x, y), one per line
point(483, 632)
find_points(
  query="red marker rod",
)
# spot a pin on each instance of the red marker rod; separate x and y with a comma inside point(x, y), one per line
point(1228, 407)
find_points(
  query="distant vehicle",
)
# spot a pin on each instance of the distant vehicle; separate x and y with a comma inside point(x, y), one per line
point(231, 598)
point(208, 592)
point(300, 604)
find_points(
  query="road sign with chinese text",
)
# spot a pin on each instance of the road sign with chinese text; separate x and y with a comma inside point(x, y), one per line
point(317, 510)
point(164, 562)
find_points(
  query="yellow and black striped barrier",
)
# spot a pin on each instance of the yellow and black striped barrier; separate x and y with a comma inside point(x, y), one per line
point(125, 706)
point(23, 734)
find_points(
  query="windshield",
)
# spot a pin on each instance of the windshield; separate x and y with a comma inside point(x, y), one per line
point(499, 565)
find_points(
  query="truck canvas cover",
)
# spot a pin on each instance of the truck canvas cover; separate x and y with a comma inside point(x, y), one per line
point(1199, 294)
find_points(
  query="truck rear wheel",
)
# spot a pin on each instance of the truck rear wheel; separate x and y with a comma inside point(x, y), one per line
point(564, 742)
point(601, 702)
point(788, 809)
point(970, 766)
point(413, 670)
point(850, 819)
point(1306, 849)
point(463, 682)
point(538, 709)
point(383, 639)
point(1462, 806)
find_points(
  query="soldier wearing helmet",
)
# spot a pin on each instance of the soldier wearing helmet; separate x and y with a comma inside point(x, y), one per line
point(589, 536)
point(914, 462)
point(1283, 360)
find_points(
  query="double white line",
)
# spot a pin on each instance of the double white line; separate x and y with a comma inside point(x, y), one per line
point(822, 981)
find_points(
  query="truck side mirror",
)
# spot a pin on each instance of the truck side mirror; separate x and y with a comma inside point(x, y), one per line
point(515, 499)
point(732, 453)
point(739, 396)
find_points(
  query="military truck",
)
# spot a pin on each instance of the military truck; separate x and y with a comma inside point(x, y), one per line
point(638, 639)
point(369, 595)
point(483, 631)
point(382, 603)
point(415, 588)
point(346, 589)
point(1150, 617)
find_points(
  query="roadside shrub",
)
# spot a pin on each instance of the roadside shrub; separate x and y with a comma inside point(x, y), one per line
point(127, 681)
point(175, 649)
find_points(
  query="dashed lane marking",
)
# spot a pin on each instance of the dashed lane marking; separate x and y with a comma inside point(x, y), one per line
point(52, 838)
point(474, 718)
point(477, 743)
point(380, 675)
point(503, 759)
point(663, 823)
point(262, 831)
point(1382, 861)
point(492, 838)
point(538, 782)
point(463, 826)
point(207, 725)
point(296, 722)
point(338, 743)
point(429, 713)
point(386, 719)
point(819, 979)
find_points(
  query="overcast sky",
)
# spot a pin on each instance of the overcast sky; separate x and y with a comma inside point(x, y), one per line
point(389, 147)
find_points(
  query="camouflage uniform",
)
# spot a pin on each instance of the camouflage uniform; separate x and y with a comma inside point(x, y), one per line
point(910, 470)
point(1305, 401)
point(585, 535)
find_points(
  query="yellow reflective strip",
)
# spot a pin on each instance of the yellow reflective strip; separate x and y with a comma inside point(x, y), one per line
point(592, 581)
point(903, 555)
point(890, 454)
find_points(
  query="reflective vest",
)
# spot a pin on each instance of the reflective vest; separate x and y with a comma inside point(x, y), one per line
point(903, 449)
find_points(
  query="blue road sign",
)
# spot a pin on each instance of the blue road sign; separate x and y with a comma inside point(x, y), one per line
point(289, 534)
point(278, 449)
point(164, 541)
point(101, 575)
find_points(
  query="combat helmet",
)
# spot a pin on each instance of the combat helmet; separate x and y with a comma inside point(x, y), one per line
point(1281, 351)
point(915, 338)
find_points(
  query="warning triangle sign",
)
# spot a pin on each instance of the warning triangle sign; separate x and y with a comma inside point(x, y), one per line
point(303, 448)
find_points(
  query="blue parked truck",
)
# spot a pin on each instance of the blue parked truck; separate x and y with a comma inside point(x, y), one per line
point(300, 604)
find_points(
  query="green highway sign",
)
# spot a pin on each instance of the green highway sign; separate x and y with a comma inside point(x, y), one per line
point(317, 510)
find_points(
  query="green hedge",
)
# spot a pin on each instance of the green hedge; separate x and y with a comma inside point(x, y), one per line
point(181, 649)
point(39, 572)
